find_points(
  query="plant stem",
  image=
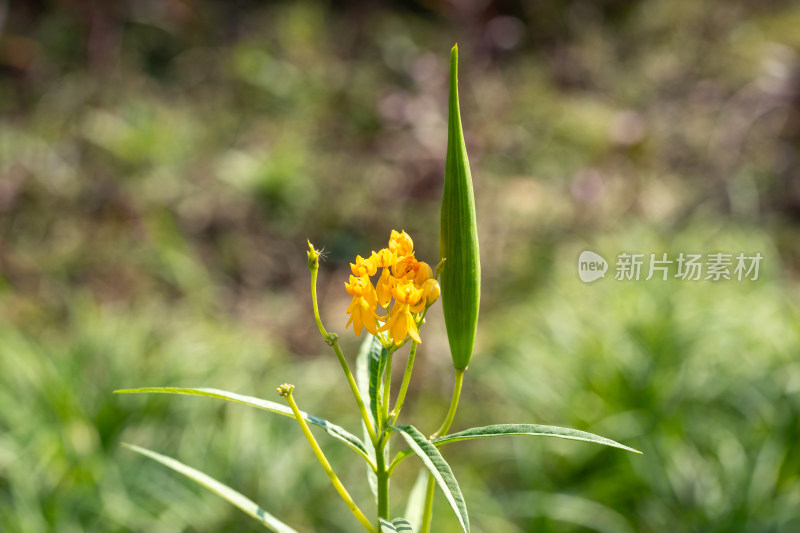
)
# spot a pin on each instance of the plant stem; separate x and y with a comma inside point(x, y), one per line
point(451, 413)
point(448, 421)
point(317, 318)
point(387, 387)
point(327, 466)
point(383, 478)
point(333, 341)
point(382, 472)
point(427, 511)
point(356, 394)
point(401, 397)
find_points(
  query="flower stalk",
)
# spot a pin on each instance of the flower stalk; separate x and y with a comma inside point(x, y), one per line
point(383, 474)
point(401, 396)
point(451, 412)
point(333, 341)
point(286, 390)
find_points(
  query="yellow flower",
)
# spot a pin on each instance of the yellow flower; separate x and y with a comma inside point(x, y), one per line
point(363, 267)
point(362, 308)
point(430, 293)
point(384, 287)
point(401, 243)
point(401, 322)
point(406, 293)
point(404, 288)
point(424, 273)
point(406, 268)
point(384, 258)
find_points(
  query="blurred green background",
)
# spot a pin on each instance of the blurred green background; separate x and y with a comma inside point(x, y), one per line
point(162, 164)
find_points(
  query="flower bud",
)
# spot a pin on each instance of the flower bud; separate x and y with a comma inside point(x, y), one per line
point(431, 291)
point(313, 257)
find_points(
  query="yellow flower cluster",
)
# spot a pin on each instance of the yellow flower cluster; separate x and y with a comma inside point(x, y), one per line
point(404, 280)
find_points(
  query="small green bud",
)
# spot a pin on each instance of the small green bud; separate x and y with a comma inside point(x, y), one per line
point(461, 274)
point(331, 339)
point(313, 257)
point(285, 389)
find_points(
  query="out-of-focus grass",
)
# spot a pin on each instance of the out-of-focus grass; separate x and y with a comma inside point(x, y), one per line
point(62, 465)
point(702, 377)
point(155, 198)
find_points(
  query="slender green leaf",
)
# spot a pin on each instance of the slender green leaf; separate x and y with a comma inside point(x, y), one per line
point(362, 380)
point(415, 504)
point(439, 469)
point(225, 492)
point(362, 368)
point(502, 430)
point(377, 366)
point(398, 525)
point(377, 358)
point(330, 428)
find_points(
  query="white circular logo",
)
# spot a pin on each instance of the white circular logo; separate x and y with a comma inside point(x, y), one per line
point(591, 266)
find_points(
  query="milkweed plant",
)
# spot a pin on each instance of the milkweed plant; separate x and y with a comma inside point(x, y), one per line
point(391, 292)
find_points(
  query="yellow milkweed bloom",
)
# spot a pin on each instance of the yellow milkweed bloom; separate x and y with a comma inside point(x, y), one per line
point(363, 267)
point(405, 288)
point(362, 309)
point(401, 243)
point(430, 293)
point(384, 258)
point(384, 288)
point(401, 322)
point(407, 268)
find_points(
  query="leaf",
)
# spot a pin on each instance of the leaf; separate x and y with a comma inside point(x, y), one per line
point(377, 358)
point(439, 469)
point(377, 365)
point(398, 525)
point(362, 368)
point(362, 380)
point(225, 492)
point(401, 524)
point(331, 429)
point(502, 430)
point(416, 499)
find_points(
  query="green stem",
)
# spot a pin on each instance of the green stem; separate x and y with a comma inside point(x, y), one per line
point(451, 413)
point(327, 466)
point(333, 341)
point(383, 475)
point(427, 511)
point(401, 396)
point(399, 458)
point(448, 421)
point(387, 387)
point(356, 394)
point(317, 318)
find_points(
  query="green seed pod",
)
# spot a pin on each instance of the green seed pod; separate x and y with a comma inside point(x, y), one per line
point(461, 272)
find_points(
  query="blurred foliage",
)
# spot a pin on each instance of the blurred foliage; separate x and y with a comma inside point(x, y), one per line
point(162, 164)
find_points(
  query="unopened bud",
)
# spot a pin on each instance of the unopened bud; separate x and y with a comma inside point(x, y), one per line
point(313, 257)
point(285, 389)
